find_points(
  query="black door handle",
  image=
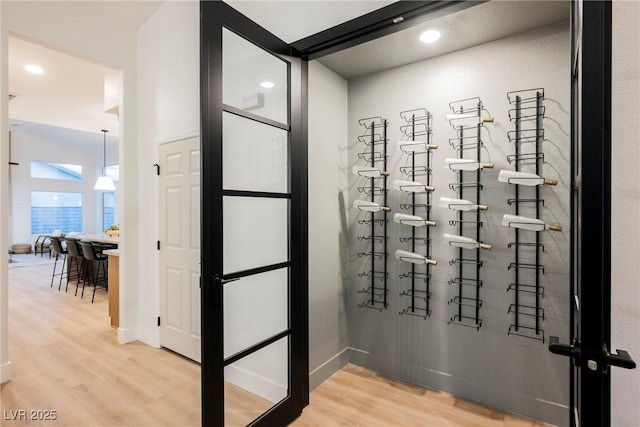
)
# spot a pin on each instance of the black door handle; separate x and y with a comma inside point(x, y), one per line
point(218, 280)
point(568, 350)
point(622, 359)
point(594, 361)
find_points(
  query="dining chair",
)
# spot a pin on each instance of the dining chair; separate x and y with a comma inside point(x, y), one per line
point(92, 256)
point(74, 253)
point(60, 251)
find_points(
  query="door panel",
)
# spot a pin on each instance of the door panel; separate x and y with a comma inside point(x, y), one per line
point(260, 230)
point(254, 296)
point(246, 70)
point(253, 321)
point(180, 247)
point(262, 381)
point(255, 155)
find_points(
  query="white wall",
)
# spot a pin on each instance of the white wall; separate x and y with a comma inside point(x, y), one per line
point(328, 195)
point(488, 366)
point(625, 208)
point(169, 94)
point(5, 364)
point(26, 147)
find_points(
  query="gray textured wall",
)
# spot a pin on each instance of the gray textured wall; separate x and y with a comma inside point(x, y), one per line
point(512, 373)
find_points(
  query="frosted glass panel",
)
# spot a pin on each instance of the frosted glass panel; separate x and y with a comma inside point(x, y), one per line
point(253, 79)
point(255, 308)
point(256, 383)
point(254, 156)
point(255, 232)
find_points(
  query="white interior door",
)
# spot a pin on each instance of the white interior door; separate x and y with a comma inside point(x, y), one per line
point(180, 247)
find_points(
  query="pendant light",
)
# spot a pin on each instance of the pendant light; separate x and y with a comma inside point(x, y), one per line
point(104, 182)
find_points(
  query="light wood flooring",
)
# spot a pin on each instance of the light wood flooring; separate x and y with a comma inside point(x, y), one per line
point(65, 357)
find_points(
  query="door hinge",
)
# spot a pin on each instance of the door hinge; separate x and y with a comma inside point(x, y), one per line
point(157, 168)
point(158, 320)
point(158, 244)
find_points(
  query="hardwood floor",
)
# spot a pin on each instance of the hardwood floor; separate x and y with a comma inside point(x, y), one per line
point(356, 396)
point(65, 357)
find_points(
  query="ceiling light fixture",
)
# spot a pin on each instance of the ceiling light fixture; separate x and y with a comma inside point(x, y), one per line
point(267, 84)
point(34, 69)
point(104, 182)
point(430, 36)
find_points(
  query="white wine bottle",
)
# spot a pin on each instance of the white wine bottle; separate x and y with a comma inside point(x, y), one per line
point(365, 205)
point(526, 223)
point(466, 164)
point(414, 257)
point(524, 178)
point(458, 116)
point(460, 205)
point(411, 186)
point(412, 220)
point(417, 147)
point(465, 242)
point(369, 172)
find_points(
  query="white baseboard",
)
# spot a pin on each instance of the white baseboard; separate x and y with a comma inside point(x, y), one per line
point(150, 336)
point(5, 372)
point(328, 368)
point(127, 335)
point(256, 384)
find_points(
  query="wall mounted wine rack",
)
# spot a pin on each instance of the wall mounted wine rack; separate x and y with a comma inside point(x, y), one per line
point(374, 189)
point(527, 114)
point(468, 117)
point(418, 124)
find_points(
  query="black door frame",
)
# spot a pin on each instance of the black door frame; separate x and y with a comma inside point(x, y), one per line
point(594, 34)
point(219, 15)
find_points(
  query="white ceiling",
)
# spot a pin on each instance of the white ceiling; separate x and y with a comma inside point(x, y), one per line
point(470, 27)
point(70, 93)
point(293, 20)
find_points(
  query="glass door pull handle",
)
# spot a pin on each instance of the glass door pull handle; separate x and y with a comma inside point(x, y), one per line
point(220, 281)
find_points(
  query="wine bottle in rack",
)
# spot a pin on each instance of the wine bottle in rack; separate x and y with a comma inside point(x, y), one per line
point(466, 164)
point(411, 186)
point(418, 147)
point(413, 257)
point(524, 178)
point(365, 205)
point(412, 220)
point(526, 223)
point(369, 172)
point(460, 204)
point(464, 242)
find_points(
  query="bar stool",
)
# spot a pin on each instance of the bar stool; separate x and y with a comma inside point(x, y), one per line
point(90, 255)
point(74, 252)
point(56, 244)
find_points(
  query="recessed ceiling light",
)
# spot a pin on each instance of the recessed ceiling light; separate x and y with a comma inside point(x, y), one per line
point(34, 69)
point(267, 84)
point(430, 36)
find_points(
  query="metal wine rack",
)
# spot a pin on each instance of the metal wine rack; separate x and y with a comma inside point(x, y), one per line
point(527, 116)
point(467, 120)
point(418, 123)
point(375, 140)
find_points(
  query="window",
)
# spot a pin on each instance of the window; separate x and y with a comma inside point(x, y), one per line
point(51, 170)
point(55, 211)
point(113, 171)
point(108, 210)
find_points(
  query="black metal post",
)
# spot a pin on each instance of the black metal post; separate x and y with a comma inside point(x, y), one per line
point(373, 222)
point(384, 190)
point(517, 211)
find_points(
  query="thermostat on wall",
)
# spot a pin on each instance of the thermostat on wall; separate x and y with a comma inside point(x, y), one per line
point(253, 102)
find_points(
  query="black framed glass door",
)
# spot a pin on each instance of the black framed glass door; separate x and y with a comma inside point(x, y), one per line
point(590, 344)
point(254, 252)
